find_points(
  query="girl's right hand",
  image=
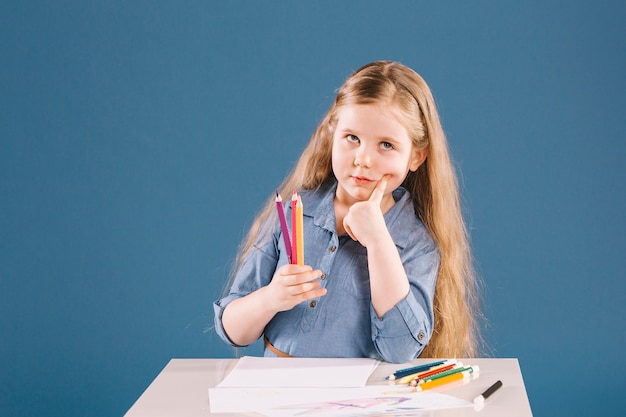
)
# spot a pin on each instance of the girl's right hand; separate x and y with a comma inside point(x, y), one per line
point(293, 284)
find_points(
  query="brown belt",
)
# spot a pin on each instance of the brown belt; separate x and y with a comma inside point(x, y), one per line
point(274, 350)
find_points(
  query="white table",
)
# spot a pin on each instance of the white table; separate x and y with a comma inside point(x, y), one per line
point(181, 389)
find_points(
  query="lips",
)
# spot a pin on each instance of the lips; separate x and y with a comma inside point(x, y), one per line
point(361, 180)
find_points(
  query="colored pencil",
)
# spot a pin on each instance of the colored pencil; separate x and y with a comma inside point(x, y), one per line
point(294, 234)
point(283, 225)
point(416, 369)
point(435, 370)
point(300, 231)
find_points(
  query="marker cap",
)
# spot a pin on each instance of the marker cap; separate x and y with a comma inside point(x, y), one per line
point(479, 400)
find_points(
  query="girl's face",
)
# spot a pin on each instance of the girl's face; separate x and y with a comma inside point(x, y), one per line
point(370, 142)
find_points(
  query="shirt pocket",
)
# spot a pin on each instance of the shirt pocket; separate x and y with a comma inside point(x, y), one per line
point(355, 277)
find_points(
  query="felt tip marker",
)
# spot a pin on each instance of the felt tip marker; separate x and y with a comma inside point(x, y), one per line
point(482, 397)
point(455, 369)
point(445, 380)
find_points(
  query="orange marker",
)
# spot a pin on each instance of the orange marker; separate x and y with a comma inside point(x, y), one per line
point(442, 381)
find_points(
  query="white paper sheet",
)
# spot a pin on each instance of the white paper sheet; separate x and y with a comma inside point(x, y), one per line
point(261, 372)
point(372, 399)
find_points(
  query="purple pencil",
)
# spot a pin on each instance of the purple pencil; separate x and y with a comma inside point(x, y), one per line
point(283, 224)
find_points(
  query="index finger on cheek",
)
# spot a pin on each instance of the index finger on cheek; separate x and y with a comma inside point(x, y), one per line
point(379, 190)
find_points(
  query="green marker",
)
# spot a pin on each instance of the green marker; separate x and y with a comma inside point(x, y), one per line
point(470, 369)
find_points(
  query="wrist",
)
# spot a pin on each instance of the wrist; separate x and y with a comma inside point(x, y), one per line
point(382, 241)
point(266, 304)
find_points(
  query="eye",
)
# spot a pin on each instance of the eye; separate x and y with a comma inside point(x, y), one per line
point(352, 138)
point(386, 146)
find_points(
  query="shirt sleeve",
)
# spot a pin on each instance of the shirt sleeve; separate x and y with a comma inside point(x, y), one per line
point(255, 272)
point(401, 334)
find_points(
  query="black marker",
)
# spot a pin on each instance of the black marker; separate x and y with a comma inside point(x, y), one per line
point(482, 397)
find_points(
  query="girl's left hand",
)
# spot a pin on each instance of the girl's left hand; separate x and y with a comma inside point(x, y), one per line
point(364, 221)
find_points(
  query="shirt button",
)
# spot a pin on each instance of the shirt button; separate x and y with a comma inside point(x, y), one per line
point(313, 303)
point(323, 276)
point(420, 336)
point(333, 248)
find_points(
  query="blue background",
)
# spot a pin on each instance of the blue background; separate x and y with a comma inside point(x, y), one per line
point(138, 139)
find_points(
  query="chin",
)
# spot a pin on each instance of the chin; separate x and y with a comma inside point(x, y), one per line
point(360, 194)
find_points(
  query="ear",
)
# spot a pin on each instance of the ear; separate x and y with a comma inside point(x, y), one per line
point(418, 158)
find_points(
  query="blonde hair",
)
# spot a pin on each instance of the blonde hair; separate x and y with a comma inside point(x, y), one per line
point(433, 187)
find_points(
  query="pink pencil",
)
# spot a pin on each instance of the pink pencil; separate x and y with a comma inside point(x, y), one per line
point(300, 232)
point(283, 224)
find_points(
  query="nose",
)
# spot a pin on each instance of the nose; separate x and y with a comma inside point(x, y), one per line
point(362, 158)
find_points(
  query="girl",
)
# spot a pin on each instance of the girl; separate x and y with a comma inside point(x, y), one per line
point(388, 271)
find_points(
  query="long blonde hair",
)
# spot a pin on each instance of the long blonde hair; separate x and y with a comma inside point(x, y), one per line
point(433, 187)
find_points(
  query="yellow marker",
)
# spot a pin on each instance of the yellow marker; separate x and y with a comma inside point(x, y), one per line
point(442, 381)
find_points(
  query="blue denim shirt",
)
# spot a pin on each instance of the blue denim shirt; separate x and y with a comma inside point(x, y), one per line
point(343, 322)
